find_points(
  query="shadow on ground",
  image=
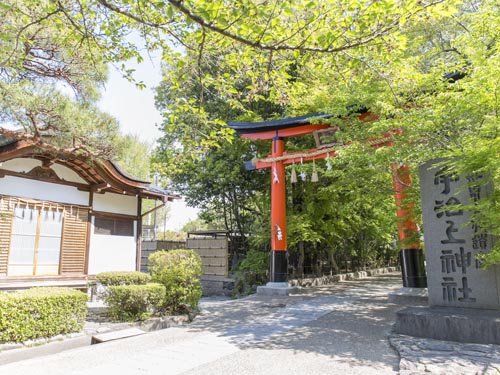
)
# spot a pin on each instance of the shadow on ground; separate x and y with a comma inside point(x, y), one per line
point(348, 321)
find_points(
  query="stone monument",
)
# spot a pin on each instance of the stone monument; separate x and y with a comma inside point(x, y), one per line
point(464, 298)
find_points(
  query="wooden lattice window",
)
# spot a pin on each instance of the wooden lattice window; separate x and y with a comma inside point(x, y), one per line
point(114, 226)
point(74, 241)
point(5, 231)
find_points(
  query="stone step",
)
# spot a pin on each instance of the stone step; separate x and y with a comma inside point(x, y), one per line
point(116, 335)
point(450, 324)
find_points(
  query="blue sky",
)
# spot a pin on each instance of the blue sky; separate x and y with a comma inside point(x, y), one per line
point(134, 108)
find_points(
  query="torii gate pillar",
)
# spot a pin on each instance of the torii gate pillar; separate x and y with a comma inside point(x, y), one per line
point(279, 262)
point(411, 255)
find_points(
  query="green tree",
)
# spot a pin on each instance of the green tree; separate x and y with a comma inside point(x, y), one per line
point(196, 225)
point(134, 156)
point(70, 41)
point(39, 56)
point(211, 175)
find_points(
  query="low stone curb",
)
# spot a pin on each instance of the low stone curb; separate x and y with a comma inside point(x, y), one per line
point(151, 324)
point(101, 326)
point(332, 279)
point(37, 342)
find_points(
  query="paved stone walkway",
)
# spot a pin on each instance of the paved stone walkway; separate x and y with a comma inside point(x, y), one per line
point(339, 329)
point(426, 356)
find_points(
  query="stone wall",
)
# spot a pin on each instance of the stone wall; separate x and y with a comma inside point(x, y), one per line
point(216, 286)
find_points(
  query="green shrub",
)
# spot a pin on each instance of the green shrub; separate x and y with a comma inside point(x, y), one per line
point(179, 271)
point(253, 270)
point(123, 278)
point(41, 312)
point(134, 302)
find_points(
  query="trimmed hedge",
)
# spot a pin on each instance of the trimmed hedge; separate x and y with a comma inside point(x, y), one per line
point(180, 272)
point(123, 278)
point(134, 302)
point(40, 313)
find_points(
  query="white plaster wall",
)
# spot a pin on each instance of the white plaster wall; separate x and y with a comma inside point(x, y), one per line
point(67, 174)
point(115, 203)
point(111, 253)
point(24, 165)
point(21, 164)
point(25, 188)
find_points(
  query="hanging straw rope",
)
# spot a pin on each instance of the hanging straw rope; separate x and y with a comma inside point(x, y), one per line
point(299, 155)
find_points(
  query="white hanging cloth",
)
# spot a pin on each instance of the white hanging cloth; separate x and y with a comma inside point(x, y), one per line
point(276, 180)
point(279, 233)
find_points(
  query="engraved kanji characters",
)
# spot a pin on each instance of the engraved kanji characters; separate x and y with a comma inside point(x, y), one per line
point(479, 239)
point(474, 189)
point(449, 233)
point(447, 261)
point(443, 176)
point(465, 290)
point(448, 212)
point(450, 261)
point(464, 260)
point(450, 294)
point(454, 260)
point(449, 289)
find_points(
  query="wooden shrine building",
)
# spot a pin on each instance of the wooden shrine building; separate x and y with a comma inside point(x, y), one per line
point(66, 217)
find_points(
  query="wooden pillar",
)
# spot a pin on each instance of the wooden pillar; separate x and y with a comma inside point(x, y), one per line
point(410, 254)
point(89, 233)
point(139, 234)
point(279, 263)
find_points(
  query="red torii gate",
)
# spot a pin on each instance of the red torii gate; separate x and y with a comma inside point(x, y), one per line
point(411, 256)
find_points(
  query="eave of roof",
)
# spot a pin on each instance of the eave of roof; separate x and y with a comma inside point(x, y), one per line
point(95, 172)
point(264, 126)
point(120, 170)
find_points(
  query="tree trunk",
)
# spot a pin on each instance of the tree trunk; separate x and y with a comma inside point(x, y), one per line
point(300, 266)
point(334, 267)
